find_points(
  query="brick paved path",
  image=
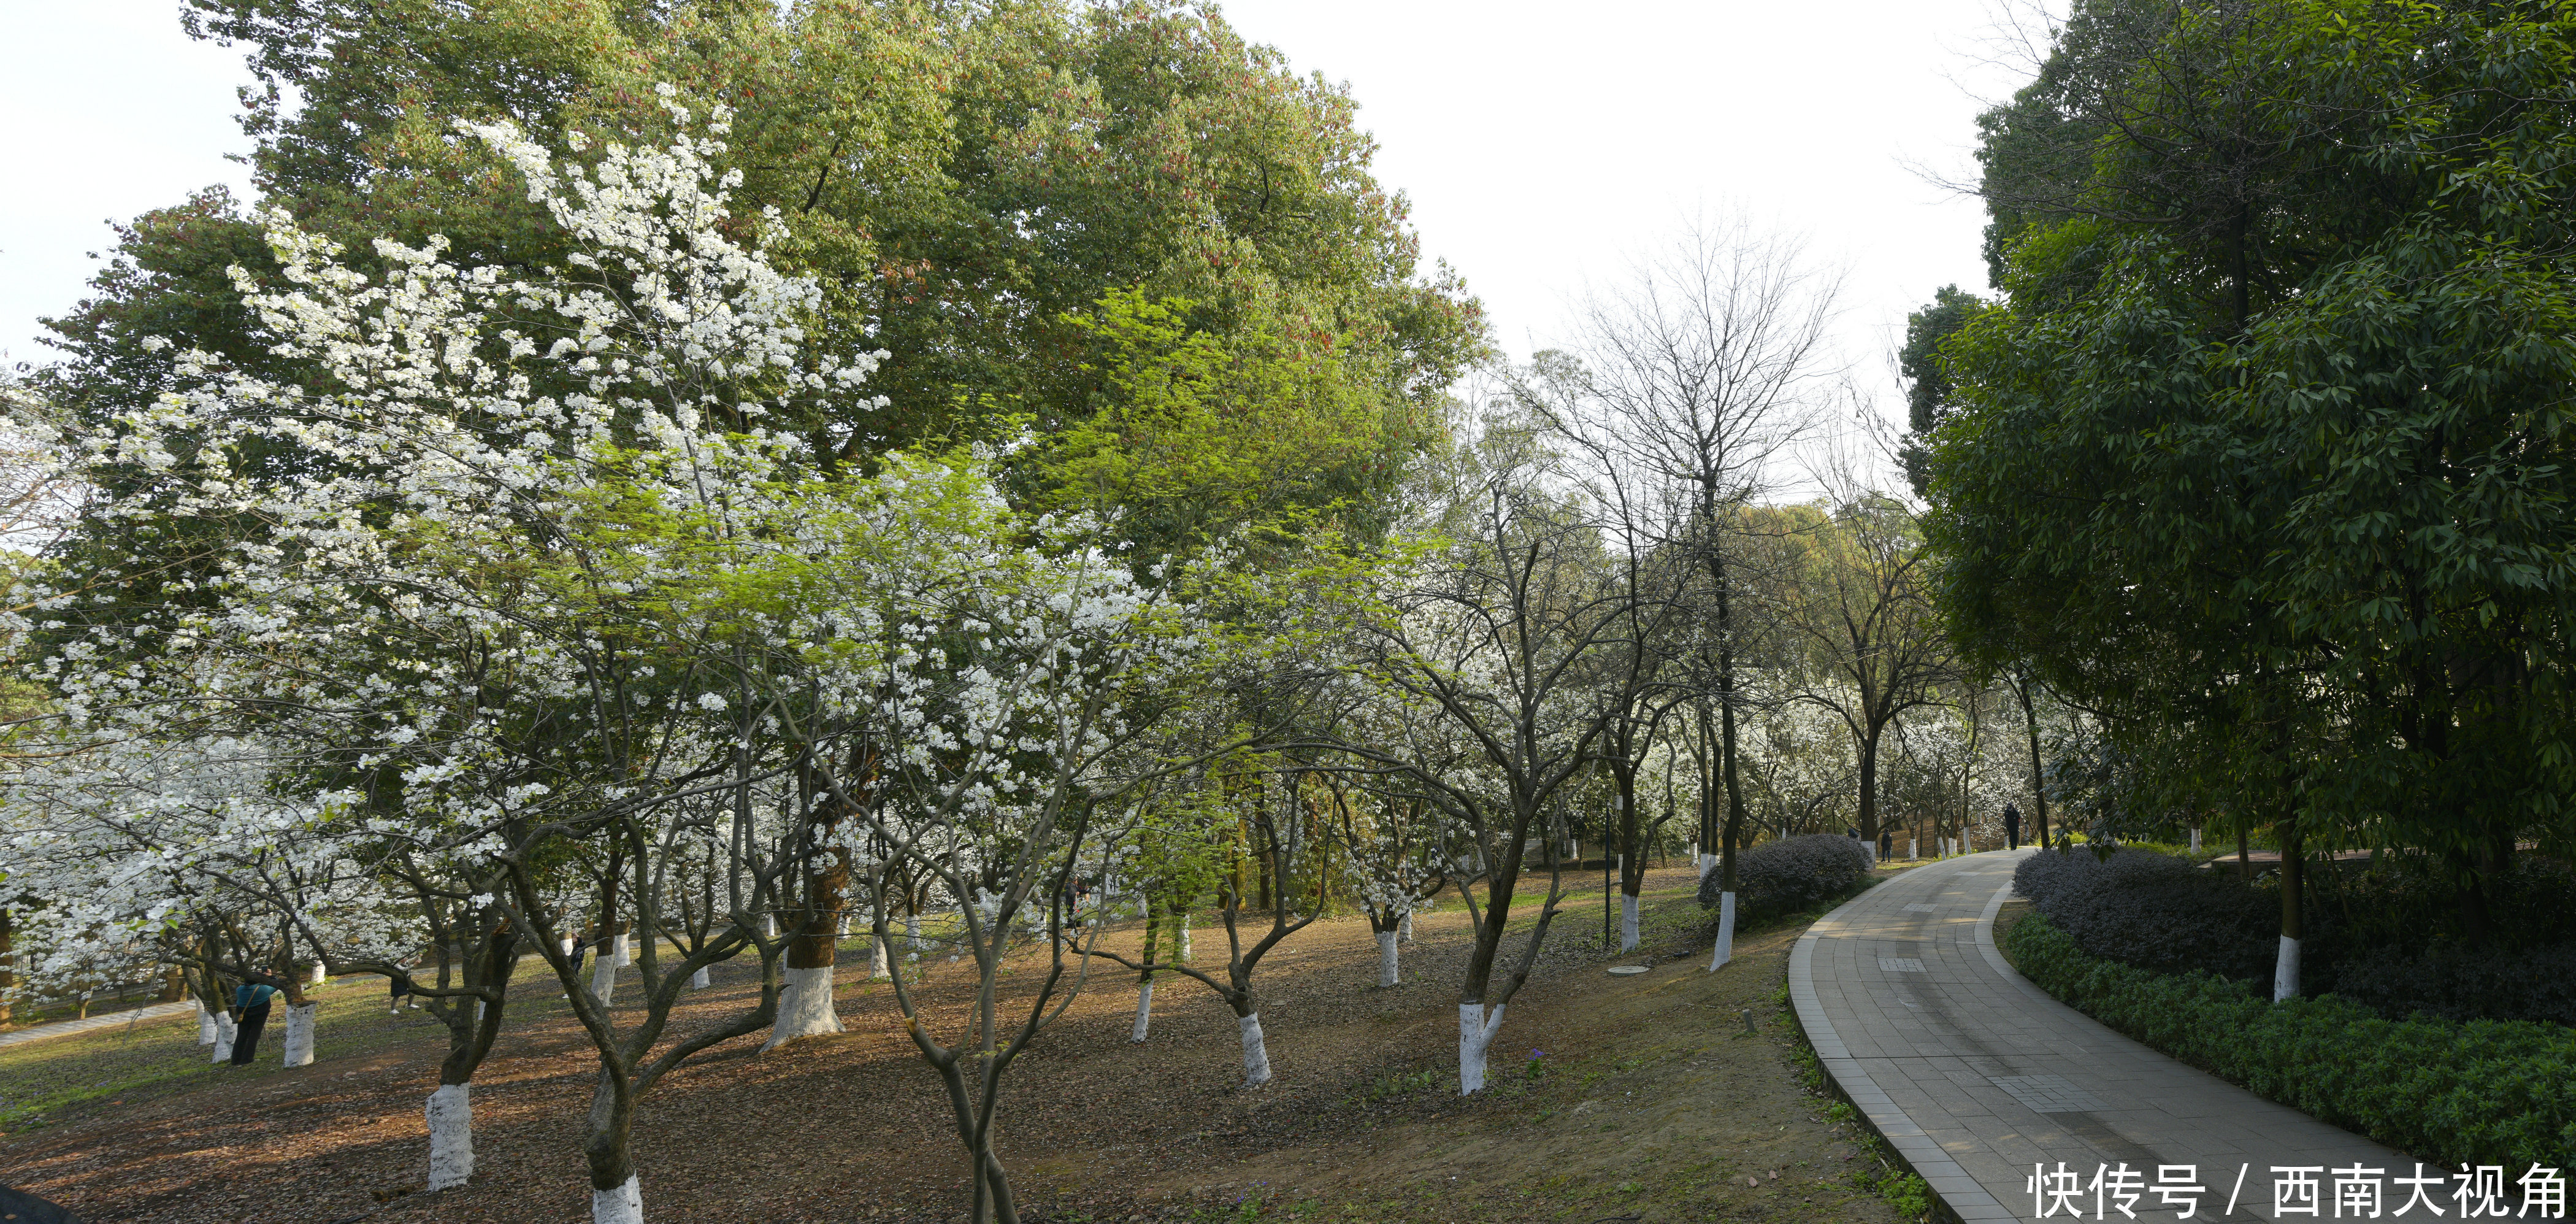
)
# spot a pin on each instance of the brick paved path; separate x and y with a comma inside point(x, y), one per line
point(1975, 1075)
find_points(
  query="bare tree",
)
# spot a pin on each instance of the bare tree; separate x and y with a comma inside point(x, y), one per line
point(1685, 389)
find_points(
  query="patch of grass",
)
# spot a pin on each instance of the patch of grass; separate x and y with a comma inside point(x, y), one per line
point(1400, 1085)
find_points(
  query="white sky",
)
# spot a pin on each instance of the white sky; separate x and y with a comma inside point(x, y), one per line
point(1541, 144)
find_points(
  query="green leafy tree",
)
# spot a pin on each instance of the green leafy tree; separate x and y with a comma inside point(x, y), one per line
point(2267, 457)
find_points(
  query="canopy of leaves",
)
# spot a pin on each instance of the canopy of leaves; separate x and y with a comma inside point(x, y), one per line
point(2269, 452)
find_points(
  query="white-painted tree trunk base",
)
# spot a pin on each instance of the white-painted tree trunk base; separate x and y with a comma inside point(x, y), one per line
point(1144, 1010)
point(2285, 971)
point(224, 1030)
point(912, 932)
point(2195, 840)
point(1627, 922)
point(603, 977)
point(1256, 1056)
point(319, 975)
point(804, 1007)
point(299, 1034)
point(624, 951)
point(451, 1136)
point(703, 978)
point(1913, 848)
point(1404, 930)
point(1185, 939)
point(1725, 932)
point(880, 961)
point(1386, 959)
point(205, 1023)
point(623, 1205)
point(769, 926)
point(1707, 864)
point(843, 931)
point(1476, 1031)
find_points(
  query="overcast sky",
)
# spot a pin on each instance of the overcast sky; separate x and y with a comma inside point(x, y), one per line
point(1542, 145)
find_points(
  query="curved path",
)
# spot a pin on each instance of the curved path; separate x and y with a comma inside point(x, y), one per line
point(65, 1028)
point(1976, 1076)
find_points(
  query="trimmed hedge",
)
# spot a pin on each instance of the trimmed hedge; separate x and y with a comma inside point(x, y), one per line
point(1791, 874)
point(2480, 1092)
point(2375, 938)
point(2155, 911)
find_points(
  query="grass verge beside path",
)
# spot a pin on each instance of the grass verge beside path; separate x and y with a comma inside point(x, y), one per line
point(2481, 1092)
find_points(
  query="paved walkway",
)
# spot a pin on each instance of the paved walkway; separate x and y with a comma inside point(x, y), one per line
point(65, 1028)
point(1976, 1076)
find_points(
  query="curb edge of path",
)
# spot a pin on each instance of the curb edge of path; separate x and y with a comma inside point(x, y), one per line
point(1960, 1196)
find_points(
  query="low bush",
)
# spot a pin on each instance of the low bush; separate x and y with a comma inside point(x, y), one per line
point(1791, 874)
point(2384, 936)
point(2480, 1092)
point(2453, 983)
point(2155, 911)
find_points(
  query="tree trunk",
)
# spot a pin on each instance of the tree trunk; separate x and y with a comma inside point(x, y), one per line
point(616, 1197)
point(1386, 959)
point(299, 1034)
point(1476, 1029)
point(2285, 971)
point(205, 1022)
point(1869, 785)
point(1256, 1056)
point(224, 1029)
point(623, 1205)
point(1144, 1010)
point(1725, 932)
point(1627, 921)
point(2038, 780)
point(804, 1007)
point(603, 972)
point(451, 1135)
point(8, 964)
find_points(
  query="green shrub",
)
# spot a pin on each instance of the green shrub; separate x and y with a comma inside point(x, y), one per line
point(1791, 874)
point(2480, 1092)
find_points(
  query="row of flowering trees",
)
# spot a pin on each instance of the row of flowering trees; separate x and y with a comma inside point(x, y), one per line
point(528, 604)
point(509, 617)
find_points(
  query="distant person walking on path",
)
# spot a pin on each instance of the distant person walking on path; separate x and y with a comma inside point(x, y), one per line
point(1886, 844)
point(2012, 827)
point(250, 1000)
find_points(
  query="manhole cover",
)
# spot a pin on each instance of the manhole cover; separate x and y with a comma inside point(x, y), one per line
point(1626, 970)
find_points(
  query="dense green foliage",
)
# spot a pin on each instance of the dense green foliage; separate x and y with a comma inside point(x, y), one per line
point(2483, 1092)
point(1927, 388)
point(989, 193)
point(1792, 874)
point(2267, 458)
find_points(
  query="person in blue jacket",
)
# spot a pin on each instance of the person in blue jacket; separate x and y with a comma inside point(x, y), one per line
point(250, 1015)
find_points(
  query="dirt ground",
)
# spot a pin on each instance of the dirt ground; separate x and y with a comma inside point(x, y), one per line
point(1616, 1099)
